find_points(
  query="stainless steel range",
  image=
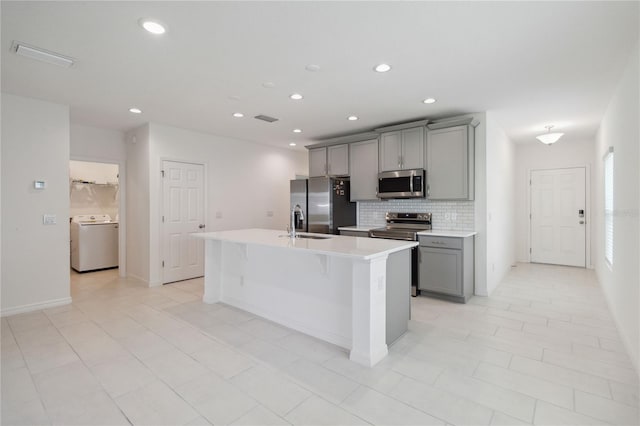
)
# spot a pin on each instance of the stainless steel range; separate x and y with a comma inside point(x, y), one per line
point(405, 226)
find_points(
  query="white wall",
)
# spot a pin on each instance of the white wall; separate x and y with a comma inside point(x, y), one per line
point(480, 220)
point(244, 181)
point(137, 201)
point(621, 283)
point(95, 144)
point(565, 153)
point(500, 217)
point(35, 257)
point(88, 171)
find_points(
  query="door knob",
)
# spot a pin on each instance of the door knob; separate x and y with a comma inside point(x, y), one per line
point(582, 222)
point(201, 226)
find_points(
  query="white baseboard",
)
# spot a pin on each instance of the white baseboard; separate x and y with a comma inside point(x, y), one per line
point(35, 306)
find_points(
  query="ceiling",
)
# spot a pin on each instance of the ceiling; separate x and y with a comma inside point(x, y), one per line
point(530, 63)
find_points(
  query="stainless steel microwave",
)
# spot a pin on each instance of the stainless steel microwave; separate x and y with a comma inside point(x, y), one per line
point(402, 184)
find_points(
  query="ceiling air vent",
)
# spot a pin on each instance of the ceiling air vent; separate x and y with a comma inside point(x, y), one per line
point(265, 118)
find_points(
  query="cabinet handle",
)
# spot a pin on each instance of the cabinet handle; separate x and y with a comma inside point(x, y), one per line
point(428, 190)
point(399, 161)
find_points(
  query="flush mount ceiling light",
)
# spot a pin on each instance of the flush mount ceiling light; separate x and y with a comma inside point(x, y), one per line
point(297, 130)
point(135, 110)
point(41, 54)
point(382, 68)
point(292, 144)
point(153, 26)
point(429, 101)
point(352, 118)
point(296, 96)
point(238, 114)
point(549, 138)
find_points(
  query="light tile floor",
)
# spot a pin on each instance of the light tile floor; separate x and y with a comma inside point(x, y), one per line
point(543, 349)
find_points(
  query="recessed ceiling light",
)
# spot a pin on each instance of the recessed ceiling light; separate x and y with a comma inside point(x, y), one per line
point(296, 96)
point(154, 27)
point(312, 67)
point(135, 110)
point(429, 101)
point(238, 114)
point(297, 130)
point(352, 118)
point(382, 68)
point(292, 144)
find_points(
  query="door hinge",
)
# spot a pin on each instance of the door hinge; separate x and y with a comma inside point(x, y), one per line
point(529, 250)
point(529, 182)
point(162, 219)
point(163, 263)
point(162, 173)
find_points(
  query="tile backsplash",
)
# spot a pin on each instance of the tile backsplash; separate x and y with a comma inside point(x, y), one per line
point(446, 215)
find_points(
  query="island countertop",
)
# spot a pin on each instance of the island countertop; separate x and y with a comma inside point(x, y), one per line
point(335, 245)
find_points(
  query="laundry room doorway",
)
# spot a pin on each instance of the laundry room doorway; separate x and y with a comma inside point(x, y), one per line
point(96, 234)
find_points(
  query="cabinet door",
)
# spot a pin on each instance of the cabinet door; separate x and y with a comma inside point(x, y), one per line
point(317, 162)
point(390, 151)
point(413, 148)
point(363, 163)
point(447, 164)
point(440, 270)
point(338, 160)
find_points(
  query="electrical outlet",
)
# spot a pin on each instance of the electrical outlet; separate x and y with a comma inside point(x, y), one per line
point(49, 219)
point(218, 215)
point(269, 213)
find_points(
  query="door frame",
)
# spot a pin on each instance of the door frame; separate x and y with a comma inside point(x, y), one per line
point(122, 204)
point(588, 206)
point(161, 205)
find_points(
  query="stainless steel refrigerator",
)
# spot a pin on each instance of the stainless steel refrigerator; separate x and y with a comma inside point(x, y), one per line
point(327, 207)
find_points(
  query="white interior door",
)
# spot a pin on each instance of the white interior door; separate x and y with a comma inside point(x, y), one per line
point(558, 216)
point(183, 214)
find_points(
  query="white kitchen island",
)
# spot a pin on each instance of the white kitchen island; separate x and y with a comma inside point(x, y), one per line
point(350, 291)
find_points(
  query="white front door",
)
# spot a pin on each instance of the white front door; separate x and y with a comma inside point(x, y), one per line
point(183, 214)
point(558, 217)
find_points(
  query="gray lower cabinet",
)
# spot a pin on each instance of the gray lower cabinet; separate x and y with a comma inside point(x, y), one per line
point(446, 267)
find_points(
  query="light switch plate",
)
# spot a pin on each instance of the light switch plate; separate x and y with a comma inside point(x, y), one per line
point(39, 184)
point(49, 219)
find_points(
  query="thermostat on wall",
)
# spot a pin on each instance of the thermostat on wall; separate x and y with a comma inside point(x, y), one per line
point(39, 184)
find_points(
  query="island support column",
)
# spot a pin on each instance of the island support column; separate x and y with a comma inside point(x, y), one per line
point(212, 271)
point(369, 311)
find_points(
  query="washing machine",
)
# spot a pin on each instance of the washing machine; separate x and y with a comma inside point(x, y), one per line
point(94, 242)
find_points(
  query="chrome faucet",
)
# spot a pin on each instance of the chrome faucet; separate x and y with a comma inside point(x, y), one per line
point(292, 227)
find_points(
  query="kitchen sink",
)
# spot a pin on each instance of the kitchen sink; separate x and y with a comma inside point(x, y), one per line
point(309, 237)
point(312, 237)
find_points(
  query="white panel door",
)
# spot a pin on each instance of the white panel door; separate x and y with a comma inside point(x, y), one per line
point(183, 214)
point(558, 217)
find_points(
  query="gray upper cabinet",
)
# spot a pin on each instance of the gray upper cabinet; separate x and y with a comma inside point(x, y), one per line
point(363, 164)
point(450, 161)
point(338, 160)
point(402, 149)
point(317, 162)
point(329, 161)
